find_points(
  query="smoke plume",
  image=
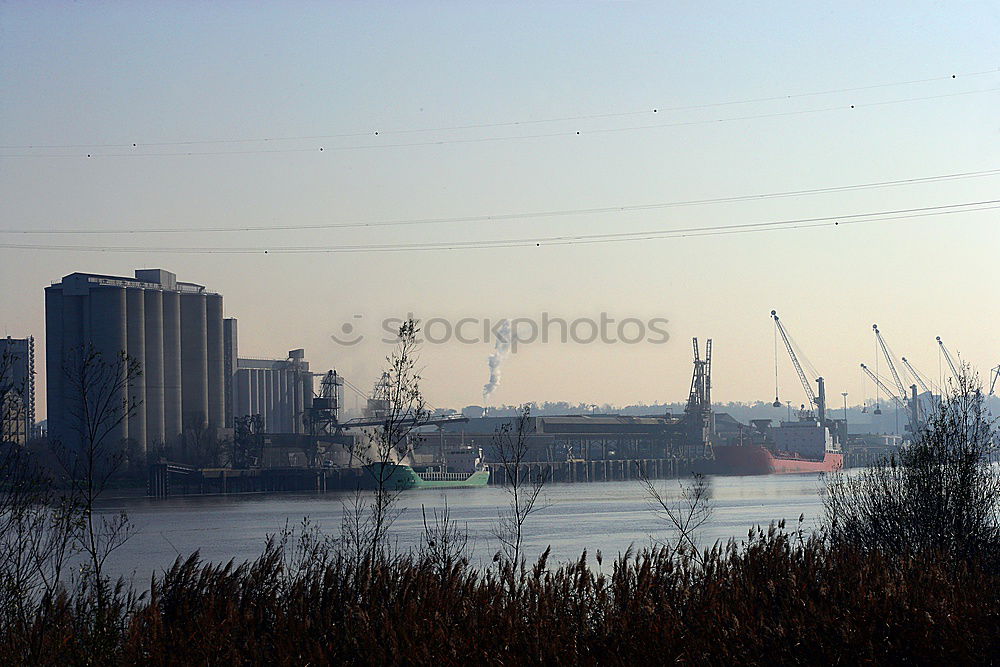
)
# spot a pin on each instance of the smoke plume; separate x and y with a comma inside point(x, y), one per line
point(495, 360)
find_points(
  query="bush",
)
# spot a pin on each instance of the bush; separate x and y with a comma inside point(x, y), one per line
point(939, 496)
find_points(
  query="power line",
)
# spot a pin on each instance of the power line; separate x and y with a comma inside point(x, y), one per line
point(579, 239)
point(522, 215)
point(492, 139)
point(509, 123)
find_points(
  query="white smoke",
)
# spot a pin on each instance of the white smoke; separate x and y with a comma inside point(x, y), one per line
point(495, 360)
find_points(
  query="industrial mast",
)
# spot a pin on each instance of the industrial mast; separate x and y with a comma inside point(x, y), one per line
point(699, 406)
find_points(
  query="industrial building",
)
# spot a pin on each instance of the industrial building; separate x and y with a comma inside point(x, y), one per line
point(17, 388)
point(573, 437)
point(174, 329)
point(600, 437)
point(279, 390)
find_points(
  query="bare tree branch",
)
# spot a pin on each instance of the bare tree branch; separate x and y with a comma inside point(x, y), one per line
point(510, 450)
point(686, 514)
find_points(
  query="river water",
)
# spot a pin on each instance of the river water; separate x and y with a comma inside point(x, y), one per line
point(608, 516)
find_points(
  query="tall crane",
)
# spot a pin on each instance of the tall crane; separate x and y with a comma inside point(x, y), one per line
point(819, 402)
point(878, 381)
point(888, 359)
point(698, 413)
point(924, 386)
point(947, 357)
point(995, 372)
point(909, 403)
point(700, 396)
point(909, 396)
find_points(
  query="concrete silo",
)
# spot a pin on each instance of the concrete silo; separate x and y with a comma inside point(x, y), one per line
point(173, 329)
point(153, 367)
point(215, 362)
point(108, 324)
point(135, 342)
point(194, 361)
point(275, 389)
point(172, 421)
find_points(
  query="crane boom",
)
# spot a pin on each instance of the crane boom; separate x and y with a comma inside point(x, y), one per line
point(795, 361)
point(884, 388)
point(406, 421)
point(888, 359)
point(995, 372)
point(919, 378)
point(947, 357)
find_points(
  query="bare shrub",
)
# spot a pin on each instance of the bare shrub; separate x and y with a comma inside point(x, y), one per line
point(940, 495)
point(400, 410)
point(685, 514)
point(443, 542)
point(510, 451)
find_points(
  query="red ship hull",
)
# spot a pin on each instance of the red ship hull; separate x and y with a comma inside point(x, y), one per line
point(757, 460)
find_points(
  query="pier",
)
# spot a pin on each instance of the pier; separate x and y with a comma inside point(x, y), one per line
point(602, 470)
point(175, 479)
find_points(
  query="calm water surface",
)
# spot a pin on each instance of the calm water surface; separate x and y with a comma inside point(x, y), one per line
point(608, 516)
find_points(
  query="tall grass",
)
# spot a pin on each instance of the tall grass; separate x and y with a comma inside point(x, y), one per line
point(776, 597)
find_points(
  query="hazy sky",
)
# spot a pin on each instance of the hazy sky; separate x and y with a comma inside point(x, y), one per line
point(256, 89)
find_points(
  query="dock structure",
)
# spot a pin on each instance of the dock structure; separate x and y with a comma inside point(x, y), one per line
point(174, 479)
point(601, 470)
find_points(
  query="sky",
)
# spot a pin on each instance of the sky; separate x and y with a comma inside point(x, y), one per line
point(463, 122)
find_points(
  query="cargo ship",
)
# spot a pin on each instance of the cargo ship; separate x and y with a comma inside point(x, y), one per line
point(759, 460)
point(458, 468)
point(809, 445)
point(401, 477)
point(805, 446)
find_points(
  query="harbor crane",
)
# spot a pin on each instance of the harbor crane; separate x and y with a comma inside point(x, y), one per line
point(700, 396)
point(889, 360)
point(908, 405)
point(947, 357)
point(909, 397)
point(698, 411)
point(925, 385)
point(814, 400)
point(879, 383)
